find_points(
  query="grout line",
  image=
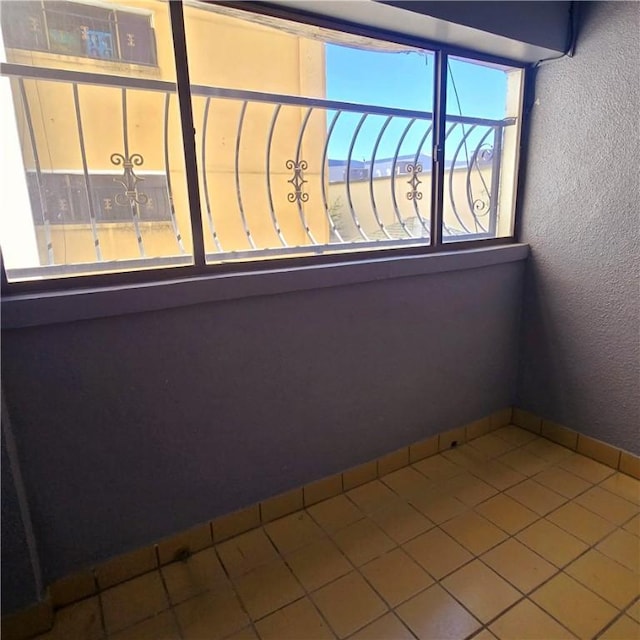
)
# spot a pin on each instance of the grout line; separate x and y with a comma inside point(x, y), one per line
point(469, 508)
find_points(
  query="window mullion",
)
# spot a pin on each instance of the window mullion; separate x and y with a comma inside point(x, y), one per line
point(188, 129)
point(437, 157)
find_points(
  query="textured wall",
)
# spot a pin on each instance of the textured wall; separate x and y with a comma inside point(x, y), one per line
point(18, 579)
point(581, 349)
point(134, 427)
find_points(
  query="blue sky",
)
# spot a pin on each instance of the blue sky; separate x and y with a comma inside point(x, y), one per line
point(404, 80)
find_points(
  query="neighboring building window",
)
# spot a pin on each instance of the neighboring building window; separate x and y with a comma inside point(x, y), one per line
point(78, 29)
point(65, 198)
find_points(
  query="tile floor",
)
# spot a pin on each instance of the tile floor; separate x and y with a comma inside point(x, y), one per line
point(510, 536)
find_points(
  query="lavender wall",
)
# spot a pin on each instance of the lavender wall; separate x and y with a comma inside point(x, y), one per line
point(134, 427)
point(581, 348)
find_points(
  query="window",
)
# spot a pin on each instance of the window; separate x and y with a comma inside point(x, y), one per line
point(79, 29)
point(309, 141)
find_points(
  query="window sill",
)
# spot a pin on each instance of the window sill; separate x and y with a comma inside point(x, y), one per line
point(28, 310)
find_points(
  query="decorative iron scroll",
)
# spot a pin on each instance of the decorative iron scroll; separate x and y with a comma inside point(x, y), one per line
point(297, 181)
point(414, 170)
point(129, 180)
point(481, 205)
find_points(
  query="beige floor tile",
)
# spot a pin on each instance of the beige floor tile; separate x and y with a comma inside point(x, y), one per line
point(294, 622)
point(581, 522)
point(549, 451)
point(396, 577)
point(524, 462)
point(465, 456)
point(372, 496)
point(624, 486)
point(126, 566)
point(160, 627)
point(633, 526)
point(267, 588)
point(536, 497)
point(507, 513)
point(608, 505)
point(526, 621)
point(133, 601)
point(491, 445)
point(335, 513)
point(201, 572)
point(244, 634)
point(191, 541)
point(562, 482)
point(485, 634)
point(322, 489)
point(211, 616)
point(474, 532)
point(586, 468)
point(437, 552)
point(281, 505)
point(360, 475)
point(407, 482)
point(580, 610)
point(401, 521)
point(318, 563)
point(498, 475)
point(623, 547)
point(435, 614)
point(609, 579)
point(349, 604)
point(551, 542)
point(515, 435)
point(519, 565)
point(481, 590)
point(79, 620)
point(293, 531)
point(438, 508)
point(386, 628)
point(622, 629)
point(437, 467)
point(468, 489)
point(363, 541)
point(246, 552)
point(634, 611)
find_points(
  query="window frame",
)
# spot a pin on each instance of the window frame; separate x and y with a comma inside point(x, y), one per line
point(199, 267)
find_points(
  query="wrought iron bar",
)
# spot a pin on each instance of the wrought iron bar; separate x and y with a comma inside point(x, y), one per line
point(415, 199)
point(205, 180)
point(325, 150)
point(237, 174)
point(167, 173)
point(272, 212)
point(349, 157)
point(83, 77)
point(451, 169)
point(85, 170)
point(298, 181)
point(477, 206)
point(374, 152)
point(394, 164)
point(130, 180)
point(36, 161)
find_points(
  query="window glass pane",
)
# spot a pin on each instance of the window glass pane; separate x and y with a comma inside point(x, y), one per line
point(130, 209)
point(482, 138)
point(327, 150)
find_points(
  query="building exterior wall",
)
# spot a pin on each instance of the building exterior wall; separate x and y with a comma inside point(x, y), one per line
point(224, 52)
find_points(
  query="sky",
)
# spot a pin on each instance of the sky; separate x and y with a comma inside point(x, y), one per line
point(405, 80)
